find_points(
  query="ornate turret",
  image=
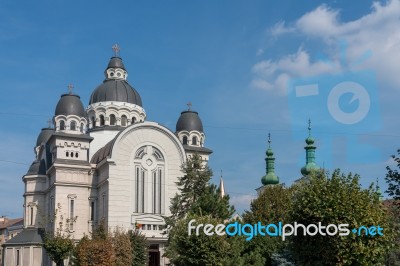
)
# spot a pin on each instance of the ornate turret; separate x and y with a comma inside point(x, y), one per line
point(310, 154)
point(270, 178)
point(115, 104)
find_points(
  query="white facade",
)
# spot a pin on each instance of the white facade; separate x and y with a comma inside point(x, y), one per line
point(105, 163)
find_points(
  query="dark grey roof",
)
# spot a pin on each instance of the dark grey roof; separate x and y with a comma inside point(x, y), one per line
point(115, 90)
point(27, 236)
point(104, 152)
point(197, 149)
point(37, 168)
point(189, 120)
point(70, 104)
point(116, 62)
point(44, 135)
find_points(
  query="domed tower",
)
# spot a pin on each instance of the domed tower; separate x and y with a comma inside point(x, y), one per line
point(115, 104)
point(42, 139)
point(70, 140)
point(310, 154)
point(189, 130)
point(270, 178)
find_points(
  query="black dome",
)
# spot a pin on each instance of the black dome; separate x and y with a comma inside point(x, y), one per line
point(116, 62)
point(70, 104)
point(115, 90)
point(44, 135)
point(37, 168)
point(189, 120)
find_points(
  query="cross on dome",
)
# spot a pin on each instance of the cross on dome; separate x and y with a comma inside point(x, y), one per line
point(189, 105)
point(70, 87)
point(49, 123)
point(116, 49)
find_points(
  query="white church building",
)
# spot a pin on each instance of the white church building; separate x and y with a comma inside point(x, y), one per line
point(105, 162)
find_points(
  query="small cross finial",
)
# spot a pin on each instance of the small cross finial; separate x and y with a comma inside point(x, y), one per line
point(269, 140)
point(189, 104)
point(221, 173)
point(309, 127)
point(49, 122)
point(70, 87)
point(116, 49)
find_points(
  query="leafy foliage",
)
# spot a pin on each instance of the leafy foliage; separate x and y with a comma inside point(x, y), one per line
point(59, 244)
point(393, 179)
point(94, 252)
point(339, 200)
point(191, 250)
point(122, 247)
point(191, 186)
point(272, 205)
point(58, 247)
point(139, 247)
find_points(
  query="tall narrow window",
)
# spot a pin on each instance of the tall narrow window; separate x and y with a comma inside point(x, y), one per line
point(81, 129)
point(137, 189)
point(17, 259)
point(112, 120)
point(71, 214)
point(133, 120)
point(93, 122)
point(72, 126)
point(185, 140)
point(31, 215)
point(104, 205)
point(101, 120)
point(92, 211)
point(62, 125)
point(123, 120)
point(194, 141)
point(160, 190)
point(142, 190)
point(155, 192)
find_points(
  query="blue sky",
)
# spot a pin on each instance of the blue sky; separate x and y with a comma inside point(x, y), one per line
point(234, 60)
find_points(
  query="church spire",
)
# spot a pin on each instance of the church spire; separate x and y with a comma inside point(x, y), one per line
point(270, 178)
point(310, 154)
point(221, 187)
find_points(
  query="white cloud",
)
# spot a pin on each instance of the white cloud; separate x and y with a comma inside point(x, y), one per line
point(242, 202)
point(377, 32)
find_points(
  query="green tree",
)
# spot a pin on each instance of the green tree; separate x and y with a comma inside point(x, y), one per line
point(58, 247)
point(94, 252)
point(122, 247)
point(272, 206)
point(191, 186)
point(393, 179)
point(139, 247)
point(339, 200)
point(189, 250)
point(58, 244)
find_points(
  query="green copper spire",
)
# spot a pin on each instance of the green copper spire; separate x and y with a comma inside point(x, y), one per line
point(310, 154)
point(270, 178)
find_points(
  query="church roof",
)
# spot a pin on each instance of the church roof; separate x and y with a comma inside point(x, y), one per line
point(115, 90)
point(104, 152)
point(44, 135)
point(37, 168)
point(189, 121)
point(70, 104)
point(116, 62)
point(27, 236)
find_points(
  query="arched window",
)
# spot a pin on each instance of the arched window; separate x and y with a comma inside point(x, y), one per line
point(123, 120)
point(93, 122)
point(81, 128)
point(76, 154)
point(101, 120)
point(72, 126)
point(62, 125)
point(194, 141)
point(133, 120)
point(112, 120)
point(185, 140)
point(67, 154)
